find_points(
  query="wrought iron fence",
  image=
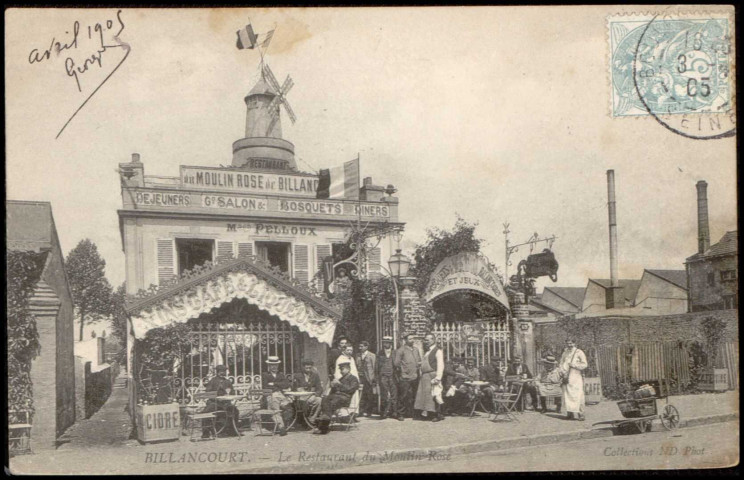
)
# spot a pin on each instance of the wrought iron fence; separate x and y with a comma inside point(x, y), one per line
point(242, 347)
point(480, 340)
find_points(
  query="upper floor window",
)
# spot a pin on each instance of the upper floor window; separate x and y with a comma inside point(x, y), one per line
point(728, 275)
point(275, 253)
point(711, 279)
point(192, 252)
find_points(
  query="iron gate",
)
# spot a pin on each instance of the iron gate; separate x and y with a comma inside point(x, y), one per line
point(242, 347)
point(480, 340)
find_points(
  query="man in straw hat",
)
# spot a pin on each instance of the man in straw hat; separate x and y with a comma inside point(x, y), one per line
point(548, 384)
point(385, 370)
point(276, 381)
point(342, 389)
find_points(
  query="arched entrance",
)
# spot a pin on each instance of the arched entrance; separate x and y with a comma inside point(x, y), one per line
point(472, 308)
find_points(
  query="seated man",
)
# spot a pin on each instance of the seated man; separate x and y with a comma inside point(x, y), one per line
point(548, 383)
point(491, 373)
point(466, 393)
point(451, 380)
point(223, 386)
point(518, 369)
point(342, 390)
point(309, 381)
point(275, 381)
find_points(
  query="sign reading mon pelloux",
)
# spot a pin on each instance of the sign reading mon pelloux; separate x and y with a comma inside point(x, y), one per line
point(205, 178)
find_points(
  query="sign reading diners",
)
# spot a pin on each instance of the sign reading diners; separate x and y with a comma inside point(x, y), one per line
point(205, 178)
point(204, 297)
point(465, 271)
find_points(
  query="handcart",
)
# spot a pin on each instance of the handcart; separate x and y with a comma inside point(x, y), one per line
point(640, 412)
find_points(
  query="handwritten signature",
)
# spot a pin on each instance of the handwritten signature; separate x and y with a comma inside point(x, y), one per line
point(77, 70)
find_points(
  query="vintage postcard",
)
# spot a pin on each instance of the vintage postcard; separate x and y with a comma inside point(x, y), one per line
point(371, 240)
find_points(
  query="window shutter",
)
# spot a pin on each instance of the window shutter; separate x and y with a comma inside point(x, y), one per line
point(224, 251)
point(321, 251)
point(301, 263)
point(166, 261)
point(373, 266)
point(245, 249)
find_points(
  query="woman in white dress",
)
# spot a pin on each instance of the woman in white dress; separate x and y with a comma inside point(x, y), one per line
point(572, 364)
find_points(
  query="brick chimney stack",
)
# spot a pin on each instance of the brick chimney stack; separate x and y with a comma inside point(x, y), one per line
point(702, 208)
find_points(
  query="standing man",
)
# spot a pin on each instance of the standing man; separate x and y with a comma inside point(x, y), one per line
point(334, 353)
point(275, 381)
point(366, 363)
point(428, 395)
point(572, 364)
point(342, 390)
point(517, 368)
point(385, 375)
point(407, 360)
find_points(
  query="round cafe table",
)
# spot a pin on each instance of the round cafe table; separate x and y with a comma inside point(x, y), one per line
point(232, 400)
point(297, 398)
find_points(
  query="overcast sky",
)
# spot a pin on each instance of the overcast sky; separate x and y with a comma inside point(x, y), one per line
point(498, 114)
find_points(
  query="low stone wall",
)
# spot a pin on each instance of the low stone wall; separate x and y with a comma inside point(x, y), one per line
point(611, 330)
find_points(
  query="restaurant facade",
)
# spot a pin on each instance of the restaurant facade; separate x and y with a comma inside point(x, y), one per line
point(236, 252)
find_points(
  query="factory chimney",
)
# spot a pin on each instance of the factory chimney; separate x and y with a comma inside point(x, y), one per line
point(613, 294)
point(702, 205)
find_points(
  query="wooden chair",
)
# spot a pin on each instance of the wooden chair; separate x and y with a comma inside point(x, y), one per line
point(19, 432)
point(265, 418)
point(195, 418)
point(345, 416)
point(505, 404)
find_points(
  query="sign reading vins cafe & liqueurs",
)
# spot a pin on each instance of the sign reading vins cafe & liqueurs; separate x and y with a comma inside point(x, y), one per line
point(206, 178)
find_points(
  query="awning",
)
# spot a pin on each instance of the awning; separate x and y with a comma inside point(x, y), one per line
point(214, 285)
point(467, 271)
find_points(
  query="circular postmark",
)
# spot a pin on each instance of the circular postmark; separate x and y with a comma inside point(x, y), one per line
point(682, 76)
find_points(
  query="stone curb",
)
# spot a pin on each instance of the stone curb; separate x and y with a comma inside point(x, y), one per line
point(469, 448)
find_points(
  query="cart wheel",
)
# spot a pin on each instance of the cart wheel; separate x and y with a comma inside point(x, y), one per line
point(670, 417)
point(642, 425)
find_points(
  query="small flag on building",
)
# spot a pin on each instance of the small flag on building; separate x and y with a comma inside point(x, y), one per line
point(340, 182)
point(246, 38)
point(267, 39)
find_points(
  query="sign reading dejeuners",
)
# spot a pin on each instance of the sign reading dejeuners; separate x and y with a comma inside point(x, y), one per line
point(204, 297)
point(204, 178)
point(465, 271)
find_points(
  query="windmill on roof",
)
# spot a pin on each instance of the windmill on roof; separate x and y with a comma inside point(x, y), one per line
point(263, 118)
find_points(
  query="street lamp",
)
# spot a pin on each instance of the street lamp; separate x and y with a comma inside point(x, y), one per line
point(399, 265)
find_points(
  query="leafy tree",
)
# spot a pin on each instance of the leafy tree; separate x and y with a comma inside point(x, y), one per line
point(119, 314)
point(439, 245)
point(91, 292)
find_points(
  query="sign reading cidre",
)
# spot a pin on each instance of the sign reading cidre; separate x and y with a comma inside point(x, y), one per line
point(206, 178)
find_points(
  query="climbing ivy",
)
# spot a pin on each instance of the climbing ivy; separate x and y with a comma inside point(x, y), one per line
point(23, 271)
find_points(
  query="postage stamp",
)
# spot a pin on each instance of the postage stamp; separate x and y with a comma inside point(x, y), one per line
point(666, 65)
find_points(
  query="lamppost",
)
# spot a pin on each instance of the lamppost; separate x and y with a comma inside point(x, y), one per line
point(399, 265)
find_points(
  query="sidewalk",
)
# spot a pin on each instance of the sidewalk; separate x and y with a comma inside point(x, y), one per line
point(109, 426)
point(388, 440)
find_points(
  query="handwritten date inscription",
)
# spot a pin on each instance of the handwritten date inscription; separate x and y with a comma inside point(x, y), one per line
point(86, 61)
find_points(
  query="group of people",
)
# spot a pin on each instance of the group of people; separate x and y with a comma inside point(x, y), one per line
point(408, 382)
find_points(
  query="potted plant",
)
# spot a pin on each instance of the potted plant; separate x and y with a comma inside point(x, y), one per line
point(713, 379)
point(158, 415)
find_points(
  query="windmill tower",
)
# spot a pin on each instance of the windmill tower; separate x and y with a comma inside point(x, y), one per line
point(263, 146)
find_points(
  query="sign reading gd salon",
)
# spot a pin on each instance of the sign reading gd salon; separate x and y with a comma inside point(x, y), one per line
point(465, 271)
point(204, 297)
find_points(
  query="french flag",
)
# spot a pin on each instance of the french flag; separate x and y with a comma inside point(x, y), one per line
point(340, 182)
point(246, 38)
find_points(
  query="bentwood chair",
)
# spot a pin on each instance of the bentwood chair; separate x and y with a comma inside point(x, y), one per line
point(505, 404)
point(345, 416)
